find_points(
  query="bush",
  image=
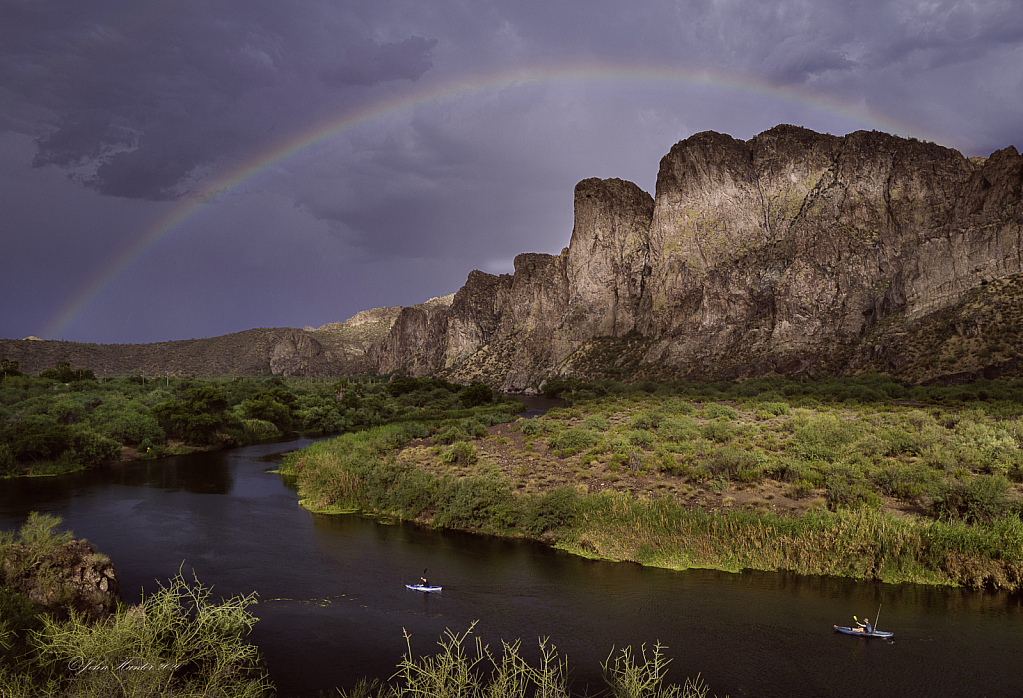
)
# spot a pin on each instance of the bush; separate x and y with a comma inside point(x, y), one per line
point(477, 394)
point(641, 437)
point(678, 430)
point(549, 511)
point(187, 644)
point(134, 428)
point(718, 411)
point(476, 502)
point(902, 481)
point(8, 463)
point(823, 437)
point(92, 450)
point(775, 409)
point(570, 441)
point(461, 452)
point(451, 434)
point(980, 499)
point(596, 422)
point(732, 462)
point(720, 431)
point(848, 487)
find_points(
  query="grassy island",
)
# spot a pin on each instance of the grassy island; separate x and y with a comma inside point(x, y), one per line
point(864, 478)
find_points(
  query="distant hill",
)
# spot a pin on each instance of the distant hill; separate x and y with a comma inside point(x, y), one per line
point(337, 348)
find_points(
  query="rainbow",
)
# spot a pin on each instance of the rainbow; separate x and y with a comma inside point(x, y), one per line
point(422, 93)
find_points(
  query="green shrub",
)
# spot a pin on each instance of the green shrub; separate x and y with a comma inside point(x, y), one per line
point(678, 430)
point(716, 410)
point(641, 437)
point(451, 434)
point(678, 406)
point(903, 481)
point(133, 428)
point(476, 394)
point(849, 487)
point(8, 463)
point(571, 441)
point(596, 422)
point(775, 409)
point(719, 430)
point(92, 450)
point(729, 462)
point(549, 511)
point(981, 499)
point(532, 427)
point(823, 437)
point(255, 429)
point(461, 452)
point(476, 502)
point(647, 420)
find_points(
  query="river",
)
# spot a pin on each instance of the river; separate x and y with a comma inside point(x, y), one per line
point(333, 607)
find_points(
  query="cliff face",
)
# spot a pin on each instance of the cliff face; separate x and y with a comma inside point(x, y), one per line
point(779, 255)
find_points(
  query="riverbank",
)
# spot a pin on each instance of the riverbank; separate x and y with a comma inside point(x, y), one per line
point(852, 490)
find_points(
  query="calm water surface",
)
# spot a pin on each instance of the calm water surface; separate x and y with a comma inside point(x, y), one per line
point(333, 606)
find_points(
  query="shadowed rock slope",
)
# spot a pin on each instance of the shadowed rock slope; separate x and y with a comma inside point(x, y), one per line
point(794, 253)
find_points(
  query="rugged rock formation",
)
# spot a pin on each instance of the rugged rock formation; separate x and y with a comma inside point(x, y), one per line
point(787, 254)
point(71, 576)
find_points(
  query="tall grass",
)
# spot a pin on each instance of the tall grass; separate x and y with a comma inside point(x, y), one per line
point(862, 543)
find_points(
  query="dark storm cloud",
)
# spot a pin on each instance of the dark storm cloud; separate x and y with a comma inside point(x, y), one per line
point(151, 102)
point(143, 94)
point(370, 63)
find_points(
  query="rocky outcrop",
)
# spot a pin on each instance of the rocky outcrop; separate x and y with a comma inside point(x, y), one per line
point(292, 353)
point(784, 254)
point(72, 576)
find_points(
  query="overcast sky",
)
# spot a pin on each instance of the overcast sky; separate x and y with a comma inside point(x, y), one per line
point(180, 168)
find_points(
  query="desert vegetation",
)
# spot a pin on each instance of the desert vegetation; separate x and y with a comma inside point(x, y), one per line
point(862, 477)
point(461, 668)
point(65, 419)
point(179, 640)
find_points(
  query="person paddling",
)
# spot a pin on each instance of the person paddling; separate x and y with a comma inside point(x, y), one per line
point(865, 627)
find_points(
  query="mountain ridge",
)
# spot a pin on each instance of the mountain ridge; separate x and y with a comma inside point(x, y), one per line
point(794, 253)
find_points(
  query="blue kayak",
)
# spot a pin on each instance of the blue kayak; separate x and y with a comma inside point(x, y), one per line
point(421, 587)
point(857, 631)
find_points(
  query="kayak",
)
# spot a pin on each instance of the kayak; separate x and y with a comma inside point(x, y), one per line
point(856, 631)
point(420, 587)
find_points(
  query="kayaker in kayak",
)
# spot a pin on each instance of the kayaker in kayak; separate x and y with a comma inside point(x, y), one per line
point(865, 626)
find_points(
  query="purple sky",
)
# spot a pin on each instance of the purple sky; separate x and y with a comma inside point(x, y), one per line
point(176, 169)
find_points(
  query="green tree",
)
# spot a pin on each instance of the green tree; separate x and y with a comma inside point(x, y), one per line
point(9, 368)
point(201, 419)
point(63, 373)
point(477, 394)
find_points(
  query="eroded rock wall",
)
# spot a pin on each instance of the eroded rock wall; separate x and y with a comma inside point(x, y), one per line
point(770, 256)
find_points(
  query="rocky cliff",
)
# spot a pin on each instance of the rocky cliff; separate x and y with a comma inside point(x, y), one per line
point(794, 253)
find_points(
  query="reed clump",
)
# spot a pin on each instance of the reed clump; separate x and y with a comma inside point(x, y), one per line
point(848, 543)
point(469, 668)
